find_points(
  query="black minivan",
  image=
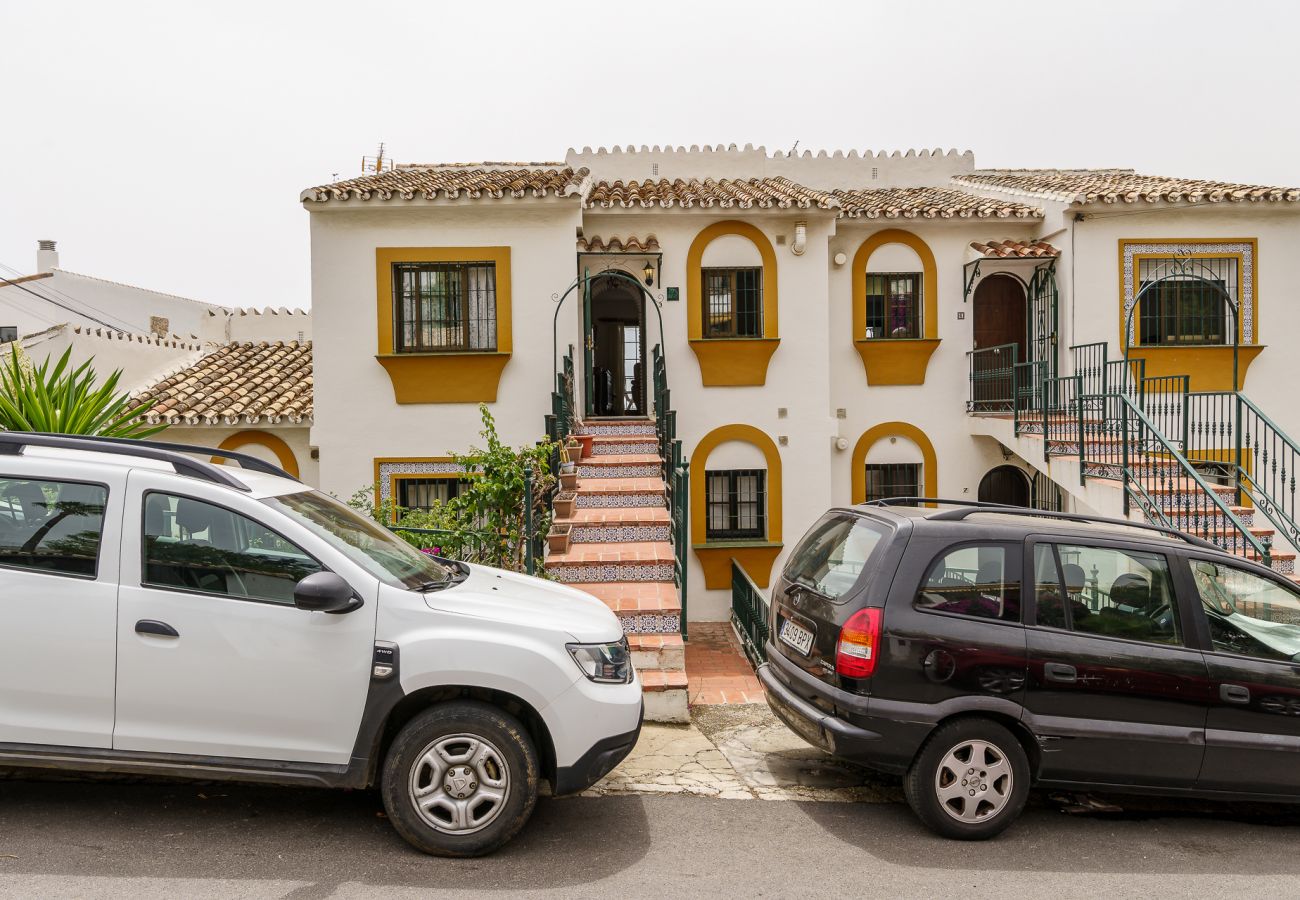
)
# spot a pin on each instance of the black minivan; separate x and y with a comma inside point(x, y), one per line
point(979, 649)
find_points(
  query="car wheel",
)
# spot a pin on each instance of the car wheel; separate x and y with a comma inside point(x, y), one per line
point(970, 780)
point(460, 779)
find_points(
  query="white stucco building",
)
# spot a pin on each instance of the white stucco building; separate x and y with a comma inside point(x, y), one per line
point(817, 315)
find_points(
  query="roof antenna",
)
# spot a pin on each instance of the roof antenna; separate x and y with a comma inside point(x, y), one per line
point(793, 149)
point(376, 165)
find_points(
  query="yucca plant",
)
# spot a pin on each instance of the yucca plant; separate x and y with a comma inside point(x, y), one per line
point(64, 400)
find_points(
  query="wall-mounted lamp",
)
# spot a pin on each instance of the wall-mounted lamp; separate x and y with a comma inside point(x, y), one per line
point(649, 273)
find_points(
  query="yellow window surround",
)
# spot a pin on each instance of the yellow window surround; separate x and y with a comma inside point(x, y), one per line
point(1209, 366)
point(888, 361)
point(877, 433)
point(730, 362)
point(443, 377)
point(754, 556)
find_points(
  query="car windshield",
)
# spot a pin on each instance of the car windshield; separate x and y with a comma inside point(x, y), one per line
point(365, 542)
point(833, 555)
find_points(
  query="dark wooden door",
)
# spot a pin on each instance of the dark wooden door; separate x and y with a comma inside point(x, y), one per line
point(1000, 315)
point(1005, 484)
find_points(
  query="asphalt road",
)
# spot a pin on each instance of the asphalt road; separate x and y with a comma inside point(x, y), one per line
point(168, 841)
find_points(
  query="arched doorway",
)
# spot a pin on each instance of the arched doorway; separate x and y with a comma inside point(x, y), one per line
point(1001, 318)
point(1005, 484)
point(616, 336)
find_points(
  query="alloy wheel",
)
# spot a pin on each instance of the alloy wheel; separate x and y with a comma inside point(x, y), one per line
point(974, 781)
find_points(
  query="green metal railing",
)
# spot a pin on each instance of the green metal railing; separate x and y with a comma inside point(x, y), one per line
point(992, 379)
point(676, 475)
point(1225, 429)
point(749, 614)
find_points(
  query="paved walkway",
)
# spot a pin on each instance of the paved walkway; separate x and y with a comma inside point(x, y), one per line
point(716, 668)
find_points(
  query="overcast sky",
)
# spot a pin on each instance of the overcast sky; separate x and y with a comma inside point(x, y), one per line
point(165, 144)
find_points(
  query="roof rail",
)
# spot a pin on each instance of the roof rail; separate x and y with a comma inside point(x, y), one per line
point(937, 501)
point(13, 442)
point(970, 508)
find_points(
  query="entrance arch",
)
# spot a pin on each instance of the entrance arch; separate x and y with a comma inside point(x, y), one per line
point(616, 337)
point(1000, 313)
point(1005, 484)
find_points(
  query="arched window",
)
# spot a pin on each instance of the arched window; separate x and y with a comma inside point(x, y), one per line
point(736, 504)
point(731, 303)
point(894, 459)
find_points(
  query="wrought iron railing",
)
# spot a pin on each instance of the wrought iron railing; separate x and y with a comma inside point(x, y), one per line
point(992, 379)
point(749, 614)
point(1226, 430)
point(676, 474)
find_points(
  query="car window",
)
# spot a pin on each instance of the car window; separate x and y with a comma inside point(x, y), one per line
point(1107, 591)
point(1248, 614)
point(197, 546)
point(51, 526)
point(975, 580)
point(834, 553)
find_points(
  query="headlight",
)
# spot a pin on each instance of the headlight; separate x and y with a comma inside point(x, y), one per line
point(606, 663)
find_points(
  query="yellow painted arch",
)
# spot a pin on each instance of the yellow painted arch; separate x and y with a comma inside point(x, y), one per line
point(896, 360)
point(727, 362)
point(755, 557)
point(929, 459)
point(275, 444)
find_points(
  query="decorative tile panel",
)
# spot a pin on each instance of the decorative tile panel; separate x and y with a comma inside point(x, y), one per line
point(611, 449)
point(621, 429)
point(1246, 293)
point(619, 501)
point(606, 572)
point(618, 534)
point(387, 470)
point(644, 471)
point(650, 623)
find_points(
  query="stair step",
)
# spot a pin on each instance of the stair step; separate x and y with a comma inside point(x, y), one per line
point(618, 427)
point(1184, 513)
point(621, 465)
point(623, 445)
point(642, 607)
point(590, 563)
point(618, 525)
point(665, 696)
point(665, 652)
point(611, 493)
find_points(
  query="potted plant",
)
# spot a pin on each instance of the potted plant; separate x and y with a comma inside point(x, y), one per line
point(557, 539)
point(568, 477)
point(586, 440)
point(565, 503)
point(573, 446)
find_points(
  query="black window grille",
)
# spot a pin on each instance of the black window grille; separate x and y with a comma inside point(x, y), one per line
point(8, 333)
point(736, 504)
point(888, 480)
point(1179, 310)
point(423, 493)
point(893, 305)
point(733, 302)
point(445, 306)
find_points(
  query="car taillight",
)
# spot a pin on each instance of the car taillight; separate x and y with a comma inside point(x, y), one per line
point(859, 644)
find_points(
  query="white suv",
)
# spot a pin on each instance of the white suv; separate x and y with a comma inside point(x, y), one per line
point(160, 614)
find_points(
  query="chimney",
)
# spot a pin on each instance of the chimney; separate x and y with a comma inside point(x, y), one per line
point(47, 258)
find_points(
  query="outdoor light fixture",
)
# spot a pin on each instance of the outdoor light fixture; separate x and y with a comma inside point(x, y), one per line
point(649, 273)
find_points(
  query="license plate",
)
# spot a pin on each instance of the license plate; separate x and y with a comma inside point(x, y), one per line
point(796, 636)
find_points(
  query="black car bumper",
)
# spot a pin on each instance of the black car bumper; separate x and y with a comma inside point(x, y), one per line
point(849, 732)
point(597, 762)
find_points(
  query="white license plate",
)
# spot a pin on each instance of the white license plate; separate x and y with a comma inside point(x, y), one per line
point(796, 636)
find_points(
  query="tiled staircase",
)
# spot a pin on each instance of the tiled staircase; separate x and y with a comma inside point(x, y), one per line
point(620, 551)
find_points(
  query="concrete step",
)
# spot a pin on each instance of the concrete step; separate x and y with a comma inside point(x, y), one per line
point(665, 652)
point(665, 696)
point(621, 465)
point(607, 427)
point(613, 493)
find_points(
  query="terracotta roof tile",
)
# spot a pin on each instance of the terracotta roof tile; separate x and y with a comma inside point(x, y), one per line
point(241, 383)
point(452, 182)
point(760, 193)
point(928, 203)
point(1012, 249)
point(1119, 186)
point(616, 244)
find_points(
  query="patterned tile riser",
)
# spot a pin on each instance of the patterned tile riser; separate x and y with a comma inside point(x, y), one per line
point(1284, 566)
point(619, 430)
point(650, 623)
point(622, 534)
point(646, 471)
point(599, 449)
point(1191, 500)
point(605, 572)
point(619, 501)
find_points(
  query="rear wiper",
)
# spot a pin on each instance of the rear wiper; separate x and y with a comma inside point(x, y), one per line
point(803, 586)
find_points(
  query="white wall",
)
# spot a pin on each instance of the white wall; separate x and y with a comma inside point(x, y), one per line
point(296, 436)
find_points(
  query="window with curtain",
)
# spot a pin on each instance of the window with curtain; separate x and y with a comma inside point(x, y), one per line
point(733, 302)
point(893, 305)
point(445, 307)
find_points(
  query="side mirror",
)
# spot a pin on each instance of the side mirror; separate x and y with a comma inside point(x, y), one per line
point(325, 592)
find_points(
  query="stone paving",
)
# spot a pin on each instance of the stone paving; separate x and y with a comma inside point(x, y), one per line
point(716, 668)
point(740, 752)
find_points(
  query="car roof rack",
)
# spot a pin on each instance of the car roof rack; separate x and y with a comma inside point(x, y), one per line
point(13, 442)
point(966, 508)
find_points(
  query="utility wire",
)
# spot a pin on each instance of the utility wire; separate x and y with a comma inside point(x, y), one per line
point(22, 287)
point(48, 288)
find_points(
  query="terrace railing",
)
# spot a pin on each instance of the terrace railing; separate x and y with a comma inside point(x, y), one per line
point(749, 614)
point(676, 475)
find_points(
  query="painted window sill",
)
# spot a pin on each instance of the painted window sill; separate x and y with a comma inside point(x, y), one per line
point(447, 377)
point(755, 557)
point(895, 360)
point(734, 362)
point(1210, 366)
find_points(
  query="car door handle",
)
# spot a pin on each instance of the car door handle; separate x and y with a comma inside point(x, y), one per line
point(1234, 693)
point(1060, 672)
point(156, 628)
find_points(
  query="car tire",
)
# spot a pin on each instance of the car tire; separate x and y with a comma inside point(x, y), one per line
point(970, 780)
point(460, 779)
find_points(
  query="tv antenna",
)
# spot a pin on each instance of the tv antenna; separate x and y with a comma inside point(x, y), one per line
point(376, 165)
